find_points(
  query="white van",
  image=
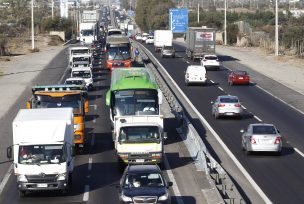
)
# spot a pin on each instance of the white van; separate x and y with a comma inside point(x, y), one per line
point(85, 73)
point(195, 74)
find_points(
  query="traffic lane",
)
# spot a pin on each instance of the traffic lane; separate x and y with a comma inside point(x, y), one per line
point(104, 173)
point(233, 139)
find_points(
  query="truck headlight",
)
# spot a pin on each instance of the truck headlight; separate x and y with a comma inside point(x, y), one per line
point(156, 155)
point(77, 137)
point(76, 127)
point(125, 198)
point(123, 156)
point(163, 197)
point(61, 177)
point(21, 178)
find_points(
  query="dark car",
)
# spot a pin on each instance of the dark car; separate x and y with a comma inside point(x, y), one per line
point(144, 184)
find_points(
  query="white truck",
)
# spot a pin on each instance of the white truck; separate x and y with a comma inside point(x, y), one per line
point(43, 149)
point(162, 38)
point(80, 60)
point(139, 139)
point(87, 26)
point(76, 51)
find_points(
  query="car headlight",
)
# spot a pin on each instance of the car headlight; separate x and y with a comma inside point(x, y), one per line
point(125, 198)
point(163, 197)
point(61, 177)
point(21, 178)
point(76, 127)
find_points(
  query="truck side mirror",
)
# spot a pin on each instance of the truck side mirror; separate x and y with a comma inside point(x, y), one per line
point(108, 98)
point(160, 96)
point(9, 152)
point(169, 183)
point(28, 105)
point(165, 135)
point(86, 106)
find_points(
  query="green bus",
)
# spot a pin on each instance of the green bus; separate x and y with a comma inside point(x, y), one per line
point(133, 91)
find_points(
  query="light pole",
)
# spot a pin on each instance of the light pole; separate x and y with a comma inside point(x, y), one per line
point(225, 24)
point(52, 9)
point(32, 11)
point(276, 30)
point(198, 10)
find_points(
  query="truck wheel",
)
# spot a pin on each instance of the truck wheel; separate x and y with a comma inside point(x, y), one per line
point(22, 194)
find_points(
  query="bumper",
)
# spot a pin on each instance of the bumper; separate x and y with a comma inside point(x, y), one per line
point(265, 148)
point(212, 67)
point(59, 185)
point(240, 82)
point(146, 160)
point(198, 81)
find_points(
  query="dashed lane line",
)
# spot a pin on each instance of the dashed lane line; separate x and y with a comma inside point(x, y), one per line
point(90, 164)
point(256, 117)
point(299, 152)
point(86, 193)
point(220, 88)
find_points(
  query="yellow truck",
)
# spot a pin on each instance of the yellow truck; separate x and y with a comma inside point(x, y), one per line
point(61, 96)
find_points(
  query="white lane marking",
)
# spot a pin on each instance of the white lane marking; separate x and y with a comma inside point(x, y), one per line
point(61, 79)
point(230, 154)
point(172, 179)
point(188, 62)
point(291, 106)
point(226, 67)
point(211, 81)
point(244, 107)
point(90, 164)
point(6, 178)
point(94, 120)
point(220, 88)
point(86, 193)
point(256, 117)
point(299, 152)
point(93, 139)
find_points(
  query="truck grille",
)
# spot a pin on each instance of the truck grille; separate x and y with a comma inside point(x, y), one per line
point(42, 178)
point(145, 199)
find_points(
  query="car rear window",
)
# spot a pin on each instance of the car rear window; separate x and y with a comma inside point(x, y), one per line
point(263, 129)
point(240, 72)
point(229, 100)
point(211, 58)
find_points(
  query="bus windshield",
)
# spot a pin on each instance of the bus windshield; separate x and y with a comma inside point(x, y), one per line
point(136, 102)
point(119, 53)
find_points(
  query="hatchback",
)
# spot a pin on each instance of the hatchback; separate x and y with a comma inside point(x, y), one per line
point(195, 74)
point(238, 77)
point(262, 138)
point(144, 184)
point(226, 106)
point(210, 62)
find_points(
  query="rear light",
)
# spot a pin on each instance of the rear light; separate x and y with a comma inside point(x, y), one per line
point(252, 140)
point(221, 105)
point(237, 105)
point(277, 140)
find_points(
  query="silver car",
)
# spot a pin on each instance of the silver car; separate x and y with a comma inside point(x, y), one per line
point(226, 106)
point(261, 137)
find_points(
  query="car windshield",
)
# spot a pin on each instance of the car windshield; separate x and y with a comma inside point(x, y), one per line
point(82, 74)
point(42, 154)
point(168, 48)
point(74, 82)
point(263, 129)
point(229, 100)
point(143, 180)
point(211, 58)
point(139, 134)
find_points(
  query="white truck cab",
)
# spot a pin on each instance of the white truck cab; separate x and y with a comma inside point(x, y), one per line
point(85, 73)
point(43, 149)
point(139, 139)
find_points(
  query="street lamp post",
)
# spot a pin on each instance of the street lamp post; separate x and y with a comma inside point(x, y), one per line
point(276, 30)
point(32, 12)
point(52, 9)
point(225, 24)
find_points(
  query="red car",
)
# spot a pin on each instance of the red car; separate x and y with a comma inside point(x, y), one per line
point(238, 77)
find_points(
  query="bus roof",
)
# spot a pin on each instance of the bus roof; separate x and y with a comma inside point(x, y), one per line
point(117, 39)
point(132, 78)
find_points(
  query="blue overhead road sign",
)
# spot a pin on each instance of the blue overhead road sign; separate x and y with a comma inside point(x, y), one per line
point(178, 20)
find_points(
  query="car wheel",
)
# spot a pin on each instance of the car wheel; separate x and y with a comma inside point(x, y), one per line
point(216, 115)
point(22, 194)
point(247, 152)
point(279, 153)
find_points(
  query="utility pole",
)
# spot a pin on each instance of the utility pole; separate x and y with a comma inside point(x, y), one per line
point(198, 12)
point(32, 12)
point(52, 9)
point(276, 30)
point(225, 24)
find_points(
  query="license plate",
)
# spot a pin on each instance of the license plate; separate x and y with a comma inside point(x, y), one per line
point(229, 113)
point(42, 185)
point(140, 160)
point(118, 64)
point(241, 78)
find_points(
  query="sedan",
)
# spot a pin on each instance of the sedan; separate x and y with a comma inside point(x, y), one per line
point(210, 62)
point(150, 40)
point(261, 138)
point(226, 106)
point(238, 77)
point(144, 184)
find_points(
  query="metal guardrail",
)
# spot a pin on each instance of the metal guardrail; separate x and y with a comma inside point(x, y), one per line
point(226, 191)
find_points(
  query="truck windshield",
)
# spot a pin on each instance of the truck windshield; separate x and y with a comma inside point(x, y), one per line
point(139, 134)
point(72, 101)
point(87, 32)
point(119, 53)
point(136, 102)
point(82, 74)
point(84, 60)
point(42, 154)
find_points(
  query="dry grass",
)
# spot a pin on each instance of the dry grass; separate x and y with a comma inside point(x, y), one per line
point(34, 50)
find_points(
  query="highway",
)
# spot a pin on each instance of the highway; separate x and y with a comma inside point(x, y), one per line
point(280, 177)
point(96, 174)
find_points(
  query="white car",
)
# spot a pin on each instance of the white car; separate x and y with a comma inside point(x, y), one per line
point(261, 137)
point(85, 73)
point(226, 105)
point(138, 37)
point(76, 81)
point(211, 62)
point(144, 37)
point(150, 40)
point(195, 74)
